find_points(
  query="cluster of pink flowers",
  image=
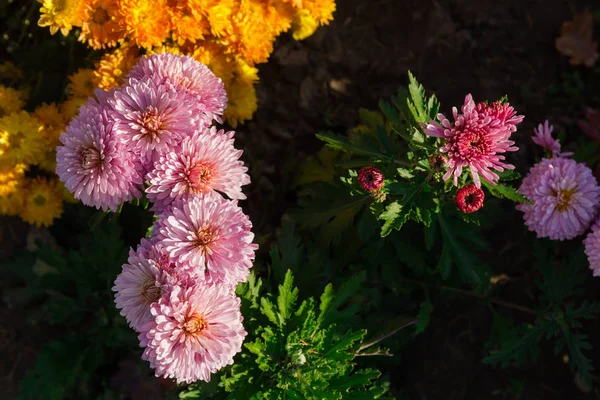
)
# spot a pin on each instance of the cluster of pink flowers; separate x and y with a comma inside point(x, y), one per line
point(565, 197)
point(153, 136)
point(477, 138)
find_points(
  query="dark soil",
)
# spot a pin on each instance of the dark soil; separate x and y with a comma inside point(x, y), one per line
point(488, 48)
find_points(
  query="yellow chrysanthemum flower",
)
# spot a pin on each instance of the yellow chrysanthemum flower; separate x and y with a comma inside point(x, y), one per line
point(112, 67)
point(8, 70)
point(321, 10)
point(81, 83)
point(11, 177)
point(101, 27)
point(52, 125)
point(20, 139)
point(242, 103)
point(12, 204)
point(212, 55)
point(11, 100)
point(245, 74)
point(43, 202)
point(187, 21)
point(304, 25)
point(146, 22)
point(70, 108)
point(61, 14)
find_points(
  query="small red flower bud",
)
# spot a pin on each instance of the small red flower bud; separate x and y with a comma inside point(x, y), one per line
point(370, 178)
point(469, 198)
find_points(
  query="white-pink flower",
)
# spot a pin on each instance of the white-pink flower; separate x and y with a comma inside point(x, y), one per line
point(210, 234)
point(206, 161)
point(141, 283)
point(151, 118)
point(195, 332)
point(186, 75)
point(592, 248)
point(93, 162)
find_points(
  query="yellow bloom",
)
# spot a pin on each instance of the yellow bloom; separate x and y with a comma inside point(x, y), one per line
point(70, 108)
point(20, 139)
point(52, 124)
point(12, 204)
point(112, 67)
point(245, 74)
point(61, 14)
point(81, 83)
point(43, 202)
point(187, 21)
point(304, 25)
point(11, 100)
point(218, 13)
point(321, 10)
point(146, 22)
point(212, 55)
point(101, 27)
point(242, 103)
point(10, 178)
point(8, 70)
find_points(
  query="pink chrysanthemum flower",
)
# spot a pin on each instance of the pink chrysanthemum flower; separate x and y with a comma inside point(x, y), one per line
point(206, 161)
point(370, 178)
point(502, 114)
point(543, 138)
point(592, 248)
point(469, 198)
point(152, 118)
point(195, 332)
point(140, 284)
point(93, 163)
point(565, 198)
point(476, 139)
point(183, 73)
point(211, 234)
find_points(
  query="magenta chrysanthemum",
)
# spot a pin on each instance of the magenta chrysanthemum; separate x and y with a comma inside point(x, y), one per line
point(206, 161)
point(476, 139)
point(543, 138)
point(370, 178)
point(93, 163)
point(152, 118)
point(592, 248)
point(469, 198)
point(140, 284)
point(183, 73)
point(211, 234)
point(565, 198)
point(195, 332)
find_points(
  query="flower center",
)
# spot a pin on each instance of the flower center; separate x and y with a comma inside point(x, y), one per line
point(195, 325)
point(100, 16)
point(90, 158)
point(150, 121)
point(563, 198)
point(470, 143)
point(204, 237)
point(39, 200)
point(150, 292)
point(201, 177)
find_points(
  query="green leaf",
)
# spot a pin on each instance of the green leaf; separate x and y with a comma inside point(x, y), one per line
point(424, 315)
point(286, 300)
point(505, 192)
point(421, 108)
point(268, 310)
point(330, 312)
point(393, 218)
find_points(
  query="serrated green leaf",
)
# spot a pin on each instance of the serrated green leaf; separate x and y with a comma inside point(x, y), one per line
point(268, 310)
point(288, 294)
point(502, 191)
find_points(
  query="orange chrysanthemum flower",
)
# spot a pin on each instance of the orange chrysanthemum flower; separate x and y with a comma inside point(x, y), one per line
point(146, 22)
point(187, 21)
point(101, 27)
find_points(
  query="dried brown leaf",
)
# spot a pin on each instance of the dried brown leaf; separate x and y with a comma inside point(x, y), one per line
point(575, 40)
